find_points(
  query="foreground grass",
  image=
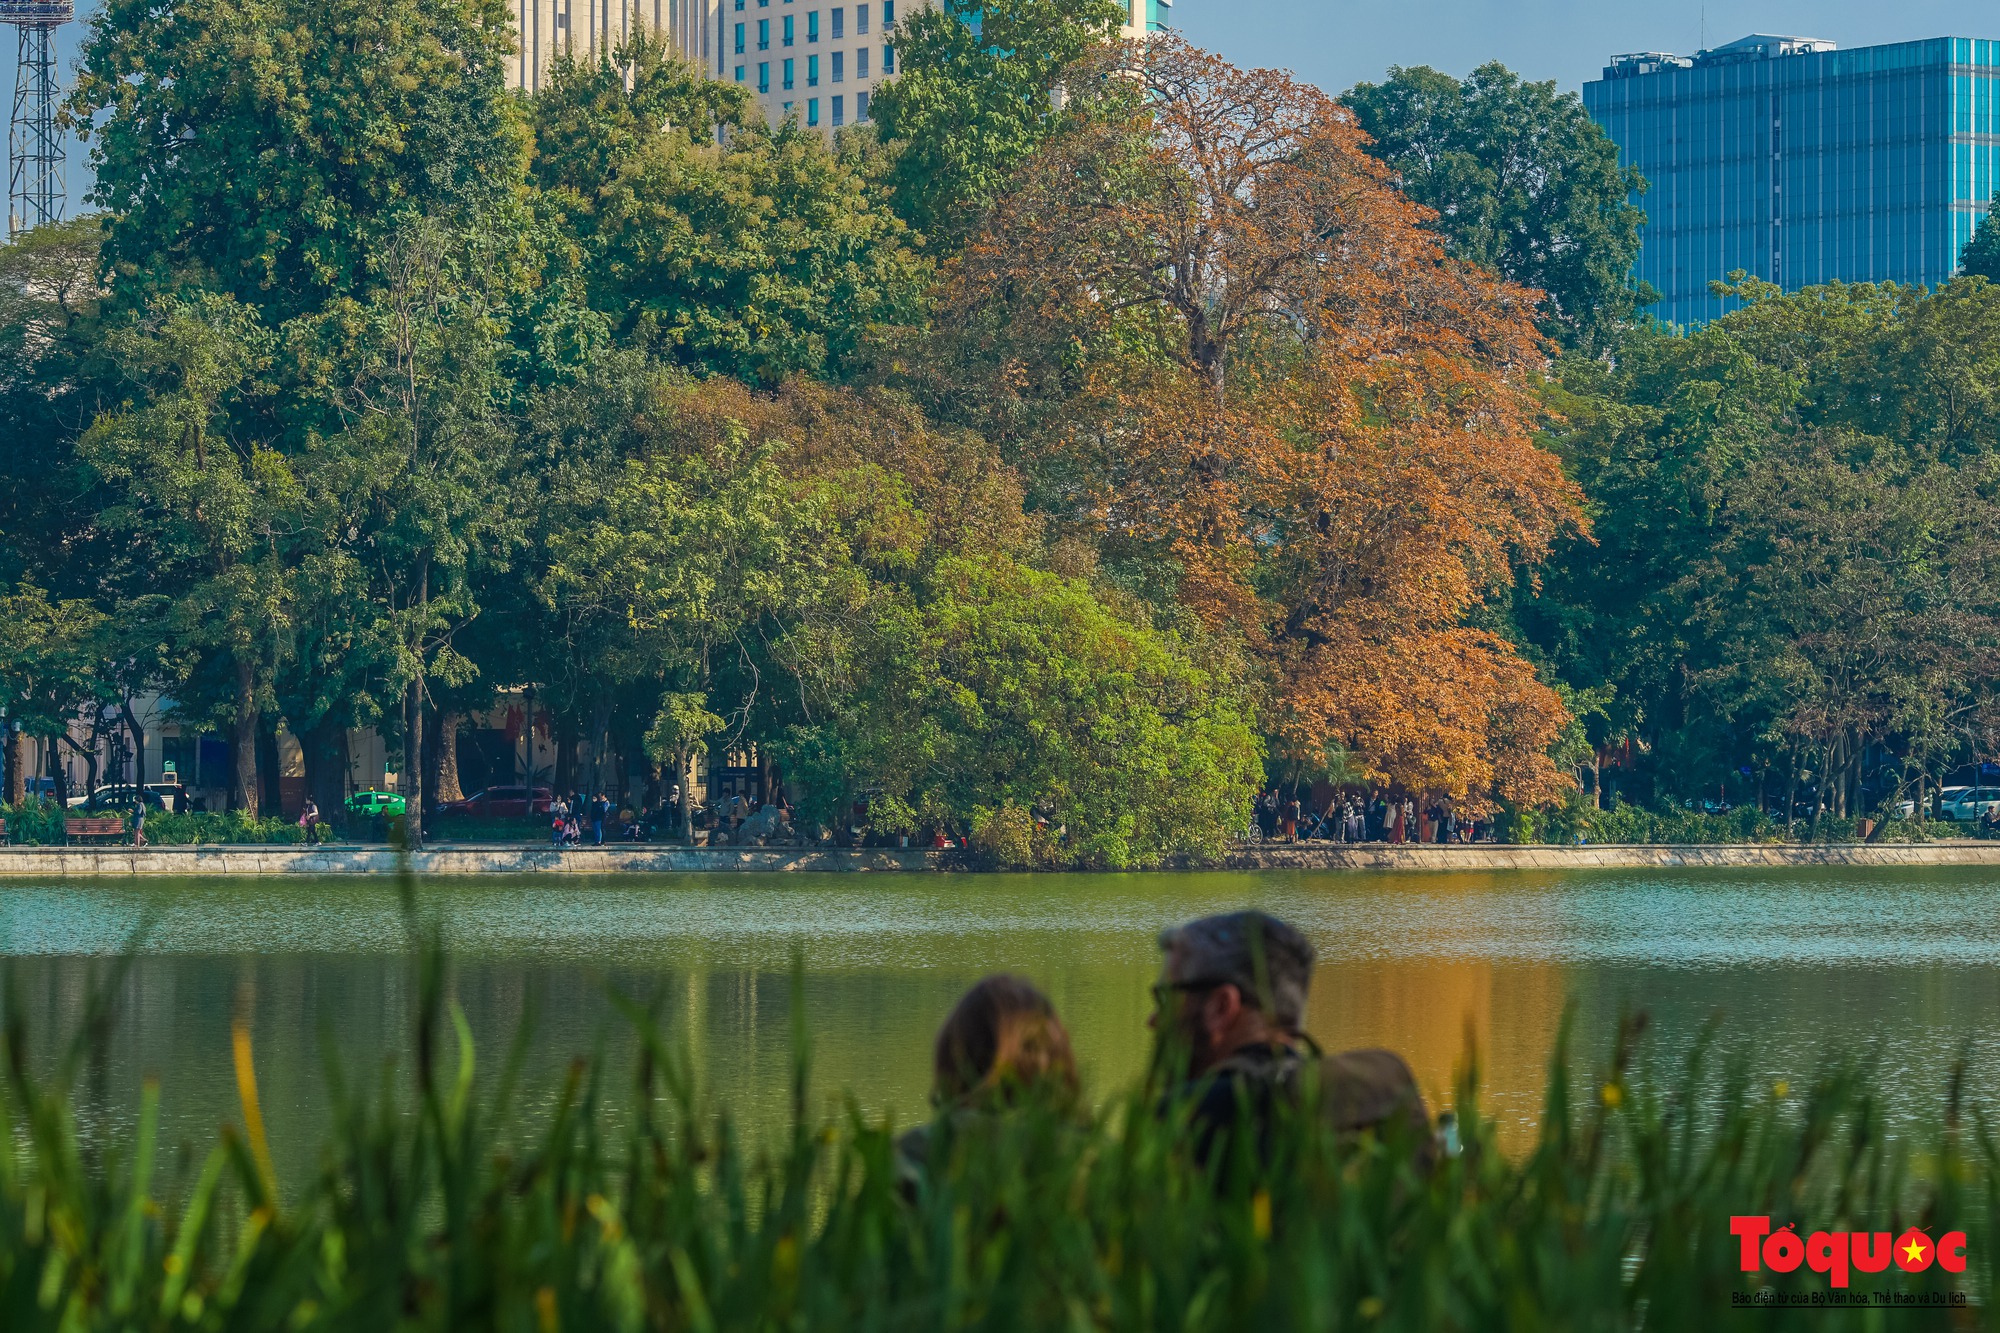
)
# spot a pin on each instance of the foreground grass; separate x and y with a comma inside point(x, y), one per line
point(431, 1211)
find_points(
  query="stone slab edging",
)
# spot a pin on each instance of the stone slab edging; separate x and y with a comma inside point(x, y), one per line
point(64, 862)
point(464, 859)
point(1505, 856)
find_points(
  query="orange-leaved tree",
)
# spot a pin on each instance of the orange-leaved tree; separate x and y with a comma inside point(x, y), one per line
point(1209, 325)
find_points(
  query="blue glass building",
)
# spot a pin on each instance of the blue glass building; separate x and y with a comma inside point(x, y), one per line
point(1802, 164)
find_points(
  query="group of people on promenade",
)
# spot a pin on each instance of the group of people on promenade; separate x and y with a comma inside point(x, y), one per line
point(572, 819)
point(1374, 816)
point(1228, 1019)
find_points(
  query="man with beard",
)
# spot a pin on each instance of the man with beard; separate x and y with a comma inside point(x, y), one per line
point(1231, 1003)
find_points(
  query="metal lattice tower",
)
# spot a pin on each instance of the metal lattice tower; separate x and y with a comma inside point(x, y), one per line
point(35, 157)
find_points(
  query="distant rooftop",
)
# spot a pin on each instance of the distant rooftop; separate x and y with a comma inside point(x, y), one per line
point(1757, 46)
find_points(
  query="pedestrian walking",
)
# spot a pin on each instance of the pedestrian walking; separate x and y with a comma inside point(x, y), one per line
point(309, 822)
point(139, 822)
point(600, 810)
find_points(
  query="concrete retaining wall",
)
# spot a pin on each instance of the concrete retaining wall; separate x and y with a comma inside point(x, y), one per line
point(59, 862)
point(1491, 856)
point(62, 862)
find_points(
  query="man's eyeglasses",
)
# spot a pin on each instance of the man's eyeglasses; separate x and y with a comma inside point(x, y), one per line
point(1166, 990)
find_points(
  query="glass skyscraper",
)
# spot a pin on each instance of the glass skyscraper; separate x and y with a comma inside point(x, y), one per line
point(1802, 164)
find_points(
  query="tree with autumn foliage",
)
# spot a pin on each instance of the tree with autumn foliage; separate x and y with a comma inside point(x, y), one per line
point(1214, 332)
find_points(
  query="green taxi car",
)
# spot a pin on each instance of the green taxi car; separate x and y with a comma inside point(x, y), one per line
point(367, 803)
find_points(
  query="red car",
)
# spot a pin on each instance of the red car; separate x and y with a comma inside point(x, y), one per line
point(501, 803)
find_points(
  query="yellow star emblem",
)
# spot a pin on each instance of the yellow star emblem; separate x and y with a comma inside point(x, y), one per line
point(1915, 1250)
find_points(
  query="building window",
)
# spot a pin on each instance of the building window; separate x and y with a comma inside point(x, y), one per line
point(839, 110)
point(888, 61)
point(812, 111)
point(861, 18)
point(861, 66)
point(839, 24)
point(860, 107)
point(788, 76)
point(763, 34)
point(763, 76)
point(888, 12)
point(812, 73)
point(812, 26)
point(739, 5)
point(788, 30)
point(839, 70)
point(739, 73)
point(739, 39)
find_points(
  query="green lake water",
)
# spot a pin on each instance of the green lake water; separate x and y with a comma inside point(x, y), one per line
point(1903, 964)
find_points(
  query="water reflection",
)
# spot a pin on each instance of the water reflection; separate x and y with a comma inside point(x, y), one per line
point(1901, 961)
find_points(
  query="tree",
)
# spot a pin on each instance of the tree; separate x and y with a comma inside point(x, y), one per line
point(980, 89)
point(1261, 377)
point(1790, 560)
point(1981, 257)
point(269, 149)
point(996, 693)
point(758, 258)
point(214, 512)
point(51, 670)
point(1523, 182)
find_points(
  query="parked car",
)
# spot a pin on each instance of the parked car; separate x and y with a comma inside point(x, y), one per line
point(501, 803)
point(368, 804)
point(119, 796)
point(1966, 804)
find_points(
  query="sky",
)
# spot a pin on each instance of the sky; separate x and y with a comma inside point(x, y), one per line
point(1337, 43)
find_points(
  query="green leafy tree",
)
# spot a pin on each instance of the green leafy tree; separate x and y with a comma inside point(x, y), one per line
point(52, 668)
point(270, 149)
point(996, 693)
point(213, 512)
point(759, 257)
point(979, 90)
point(1523, 183)
point(1981, 258)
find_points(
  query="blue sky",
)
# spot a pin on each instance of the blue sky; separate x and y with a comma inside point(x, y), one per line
point(1336, 43)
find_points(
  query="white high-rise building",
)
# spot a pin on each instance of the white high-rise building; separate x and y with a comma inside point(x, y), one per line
point(812, 59)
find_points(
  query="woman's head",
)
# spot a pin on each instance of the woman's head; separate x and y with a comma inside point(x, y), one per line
point(1002, 1038)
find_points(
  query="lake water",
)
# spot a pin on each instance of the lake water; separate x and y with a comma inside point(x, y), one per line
point(1900, 963)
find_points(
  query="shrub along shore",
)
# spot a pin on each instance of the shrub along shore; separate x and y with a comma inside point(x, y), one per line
point(640, 1207)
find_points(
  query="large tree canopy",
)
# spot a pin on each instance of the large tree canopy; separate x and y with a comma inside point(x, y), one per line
point(1523, 182)
point(981, 87)
point(1258, 371)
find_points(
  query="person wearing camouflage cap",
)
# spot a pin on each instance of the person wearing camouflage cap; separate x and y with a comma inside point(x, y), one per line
point(1231, 1003)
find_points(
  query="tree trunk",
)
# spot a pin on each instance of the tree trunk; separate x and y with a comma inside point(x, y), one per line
point(325, 753)
point(243, 787)
point(444, 756)
point(413, 761)
point(1792, 793)
point(685, 760)
point(268, 768)
point(565, 762)
point(138, 735)
point(17, 765)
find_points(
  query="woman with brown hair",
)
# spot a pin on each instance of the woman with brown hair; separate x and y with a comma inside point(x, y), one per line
point(1001, 1045)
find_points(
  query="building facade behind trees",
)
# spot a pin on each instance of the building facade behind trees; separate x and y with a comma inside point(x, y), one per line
point(808, 58)
point(1801, 164)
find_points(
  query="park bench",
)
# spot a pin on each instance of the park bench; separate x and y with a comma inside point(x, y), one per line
point(78, 829)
